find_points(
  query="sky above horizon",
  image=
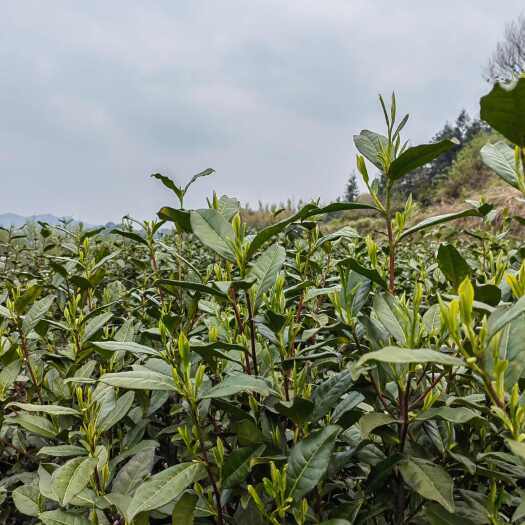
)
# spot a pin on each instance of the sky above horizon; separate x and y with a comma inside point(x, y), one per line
point(95, 96)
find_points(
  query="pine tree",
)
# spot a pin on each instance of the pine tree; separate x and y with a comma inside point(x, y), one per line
point(351, 191)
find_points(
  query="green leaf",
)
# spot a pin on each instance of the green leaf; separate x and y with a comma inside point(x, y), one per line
point(417, 156)
point(122, 407)
point(346, 404)
point(128, 346)
point(328, 393)
point(165, 487)
point(369, 273)
point(37, 424)
point(298, 410)
point(214, 231)
point(236, 284)
point(497, 321)
point(26, 298)
point(268, 232)
point(309, 460)
point(168, 183)
point(458, 415)
point(511, 349)
point(499, 157)
point(62, 451)
point(120, 501)
point(429, 481)
point(221, 345)
point(384, 308)
point(437, 515)
point(247, 432)
point(141, 379)
point(205, 173)
point(132, 474)
point(8, 375)
point(171, 286)
point(237, 383)
point(228, 206)
point(72, 477)
point(307, 211)
point(59, 517)
point(519, 513)
point(516, 447)
point(80, 282)
point(36, 313)
point(382, 472)
point(94, 325)
point(336, 207)
point(312, 293)
point(469, 465)
point(210, 352)
point(105, 259)
point(489, 294)
point(180, 217)
point(237, 465)
point(4, 312)
point(266, 268)
point(184, 510)
point(440, 219)
point(452, 264)
point(432, 319)
point(130, 235)
point(45, 485)
point(369, 422)
point(370, 145)
point(26, 499)
point(346, 232)
point(54, 410)
point(396, 355)
point(85, 498)
point(504, 109)
point(126, 331)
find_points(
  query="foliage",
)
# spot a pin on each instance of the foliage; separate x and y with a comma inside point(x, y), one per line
point(467, 172)
point(217, 374)
point(352, 189)
point(426, 183)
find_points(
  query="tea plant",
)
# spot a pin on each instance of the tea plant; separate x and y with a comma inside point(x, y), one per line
point(213, 374)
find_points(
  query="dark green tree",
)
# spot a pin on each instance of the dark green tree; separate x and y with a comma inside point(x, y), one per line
point(351, 190)
point(421, 182)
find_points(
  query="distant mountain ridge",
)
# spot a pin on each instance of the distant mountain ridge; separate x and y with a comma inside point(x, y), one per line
point(13, 219)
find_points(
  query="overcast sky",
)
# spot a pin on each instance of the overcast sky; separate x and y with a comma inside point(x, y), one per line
point(97, 95)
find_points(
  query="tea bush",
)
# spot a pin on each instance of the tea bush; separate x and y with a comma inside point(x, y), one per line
point(218, 374)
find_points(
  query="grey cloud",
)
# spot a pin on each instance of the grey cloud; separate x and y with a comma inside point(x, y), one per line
point(94, 96)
